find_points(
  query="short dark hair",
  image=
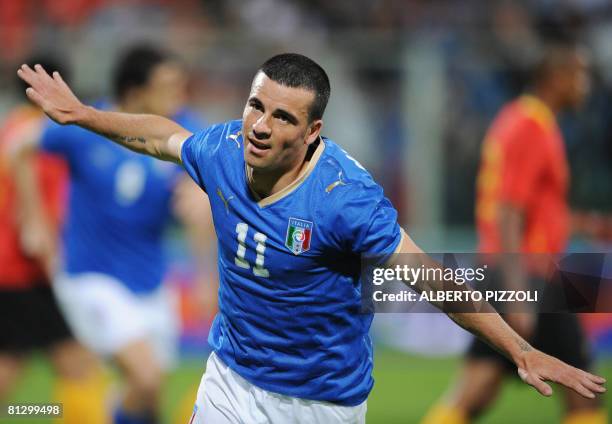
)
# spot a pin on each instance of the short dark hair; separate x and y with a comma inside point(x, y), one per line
point(297, 71)
point(49, 63)
point(134, 68)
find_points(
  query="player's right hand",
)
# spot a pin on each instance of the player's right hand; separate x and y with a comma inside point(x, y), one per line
point(52, 94)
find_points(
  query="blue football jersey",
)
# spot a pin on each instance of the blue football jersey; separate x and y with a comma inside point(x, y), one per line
point(289, 299)
point(118, 208)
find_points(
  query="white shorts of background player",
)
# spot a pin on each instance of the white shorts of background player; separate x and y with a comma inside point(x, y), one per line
point(106, 316)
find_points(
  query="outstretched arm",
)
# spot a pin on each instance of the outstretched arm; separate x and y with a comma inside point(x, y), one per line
point(534, 367)
point(149, 134)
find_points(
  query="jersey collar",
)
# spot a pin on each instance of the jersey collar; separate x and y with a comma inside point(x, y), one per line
point(273, 198)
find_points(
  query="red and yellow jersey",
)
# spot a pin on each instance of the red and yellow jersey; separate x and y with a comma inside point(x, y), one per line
point(16, 269)
point(524, 164)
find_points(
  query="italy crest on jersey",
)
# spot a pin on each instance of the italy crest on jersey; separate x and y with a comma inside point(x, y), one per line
point(299, 233)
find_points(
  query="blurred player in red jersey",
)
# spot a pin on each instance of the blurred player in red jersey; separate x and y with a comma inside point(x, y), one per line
point(30, 318)
point(522, 206)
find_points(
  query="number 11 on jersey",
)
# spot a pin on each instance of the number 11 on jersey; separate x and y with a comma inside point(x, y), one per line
point(242, 229)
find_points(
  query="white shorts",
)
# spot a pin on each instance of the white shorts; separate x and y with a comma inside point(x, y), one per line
point(106, 316)
point(224, 397)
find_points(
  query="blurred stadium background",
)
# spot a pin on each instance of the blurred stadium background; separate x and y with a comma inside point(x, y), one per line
point(414, 86)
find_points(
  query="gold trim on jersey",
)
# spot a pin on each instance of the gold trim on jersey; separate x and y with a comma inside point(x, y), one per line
point(294, 184)
point(403, 236)
point(398, 249)
point(537, 110)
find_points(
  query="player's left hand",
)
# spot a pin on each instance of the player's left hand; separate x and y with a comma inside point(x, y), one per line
point(535, 368)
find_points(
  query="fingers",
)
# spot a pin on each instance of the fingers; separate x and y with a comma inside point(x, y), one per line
point(593, 387)
point(27, 74)
point(534, 381)
point(57, 77)
point(595, 378)
point(41, 72)
point(592, 382)
point(34, 96)
point(581, 390)
point(34, 77)
point(584, 383)
point(543, 388)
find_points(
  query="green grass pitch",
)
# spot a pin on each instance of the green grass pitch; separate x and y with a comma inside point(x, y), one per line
point(405, 386)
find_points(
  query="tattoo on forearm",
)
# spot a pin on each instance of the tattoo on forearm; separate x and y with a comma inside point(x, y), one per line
point(123, 138)
point(525, 347)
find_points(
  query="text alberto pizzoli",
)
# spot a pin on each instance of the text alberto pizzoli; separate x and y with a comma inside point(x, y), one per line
point(459, 276)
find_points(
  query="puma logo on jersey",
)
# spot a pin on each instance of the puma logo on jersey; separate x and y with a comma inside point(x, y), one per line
point(335, 183)
point(224, 200)
point(235, 138)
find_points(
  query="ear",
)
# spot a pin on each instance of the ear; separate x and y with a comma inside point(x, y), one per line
point(313, 131)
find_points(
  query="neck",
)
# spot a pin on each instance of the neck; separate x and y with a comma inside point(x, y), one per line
point(266, 183)
point(549, 99)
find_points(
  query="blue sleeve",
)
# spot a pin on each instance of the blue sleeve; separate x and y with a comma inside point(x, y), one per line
point(367, 222)
point(198, 153)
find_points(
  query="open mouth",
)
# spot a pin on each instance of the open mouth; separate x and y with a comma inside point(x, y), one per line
point(258, 145)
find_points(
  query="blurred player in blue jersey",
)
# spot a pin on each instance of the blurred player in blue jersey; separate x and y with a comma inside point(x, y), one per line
point(30, 317)
point(110, 284)
point(293, 213)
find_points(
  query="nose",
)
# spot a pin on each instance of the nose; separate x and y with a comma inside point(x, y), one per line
point(261, 129)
